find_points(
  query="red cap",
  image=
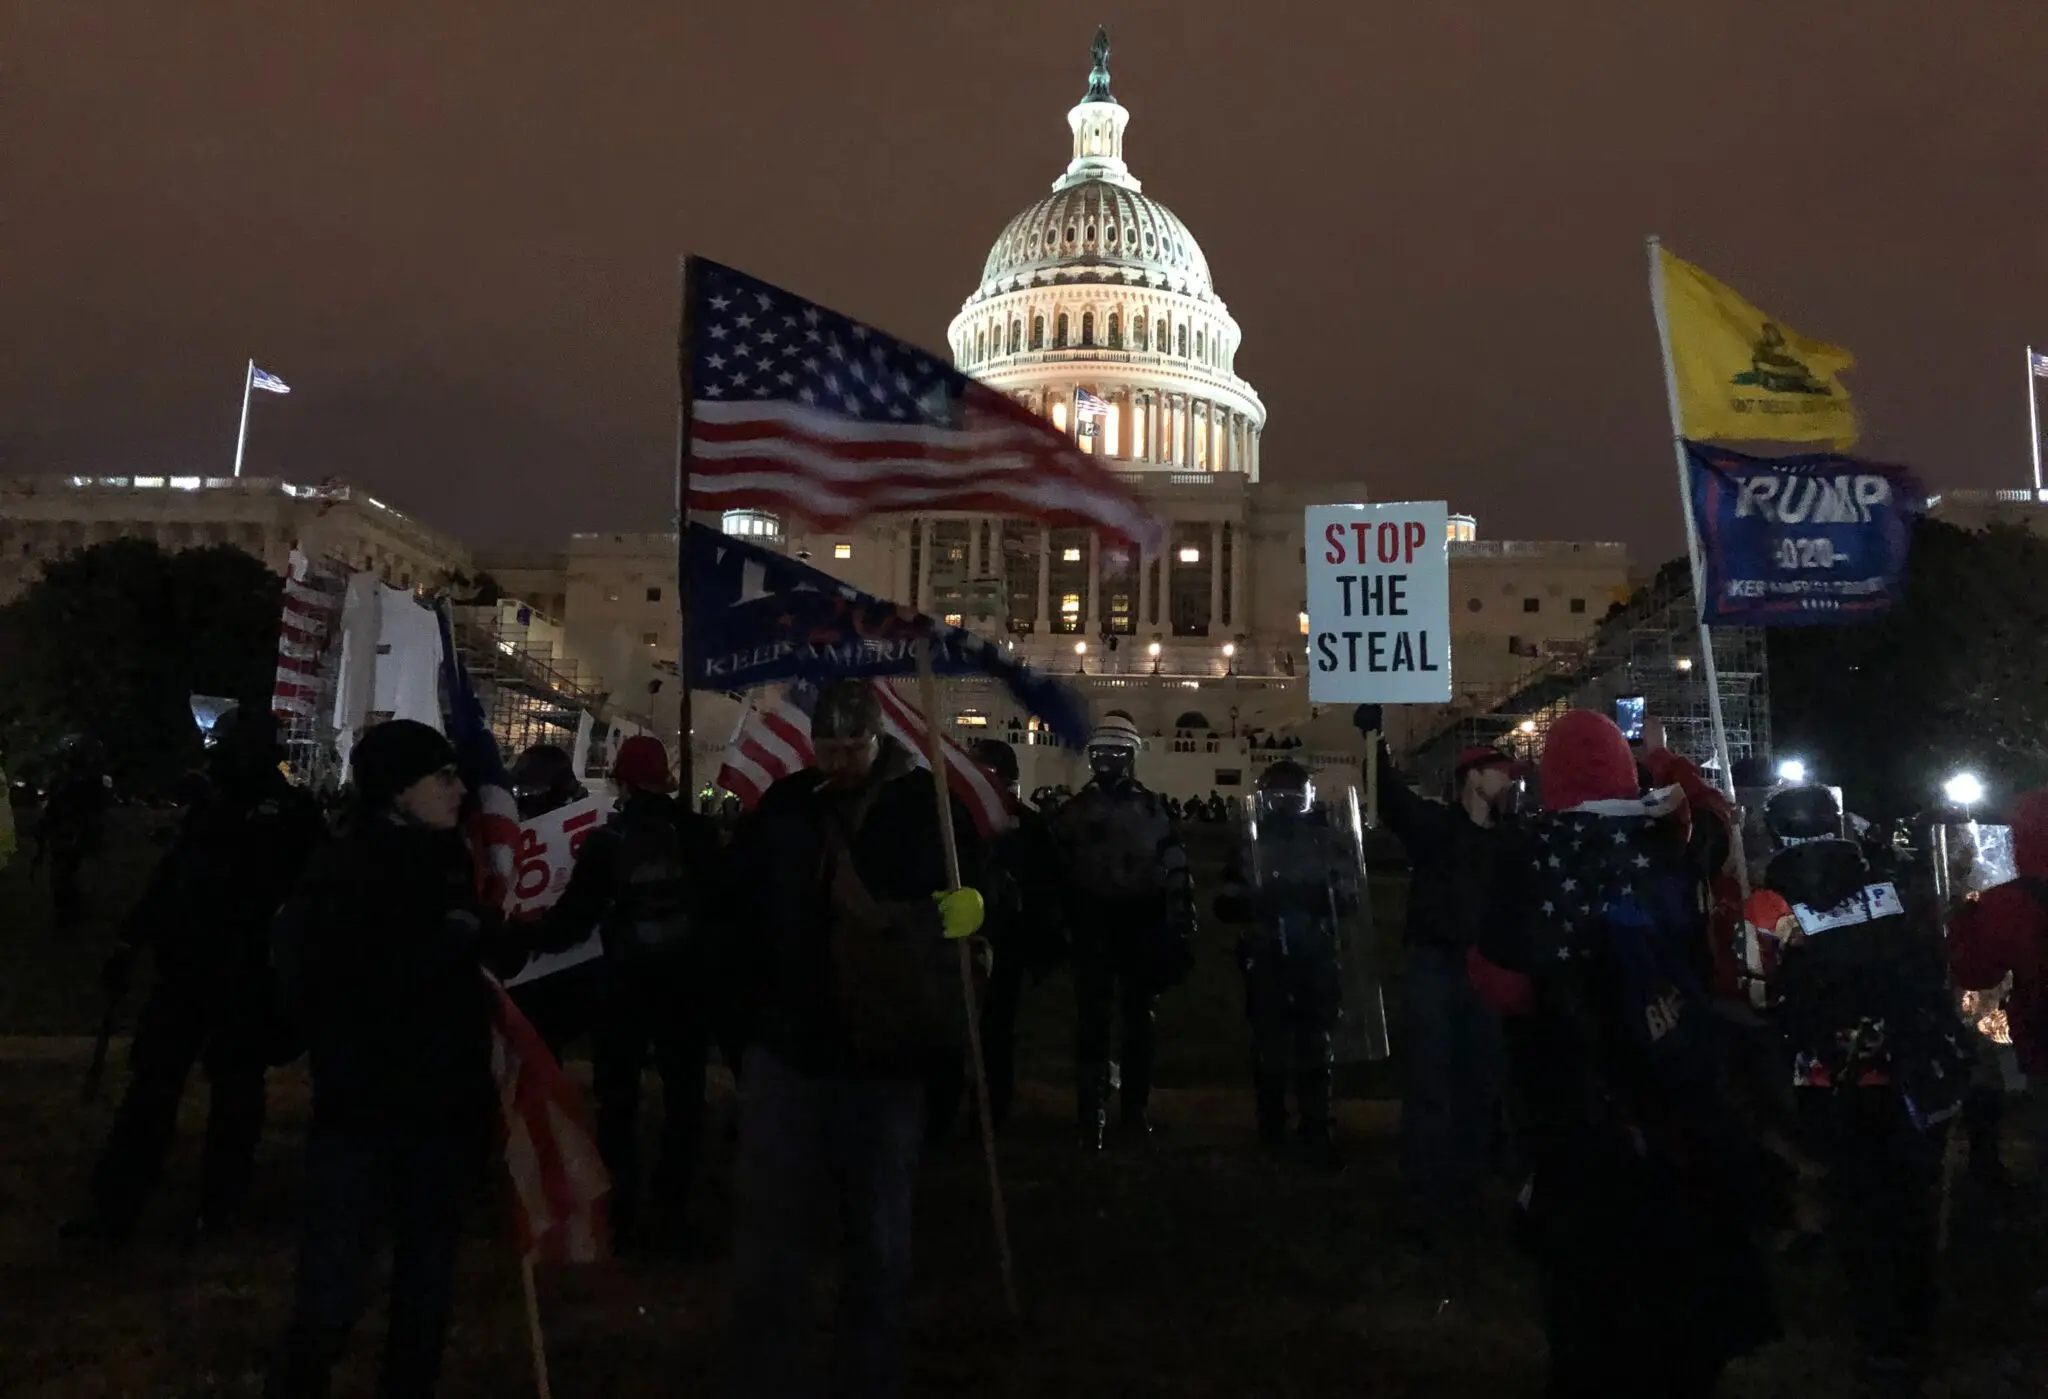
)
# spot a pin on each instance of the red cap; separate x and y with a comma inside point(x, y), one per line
point(643, 763)
point(1585, 759)
point(1484, 756)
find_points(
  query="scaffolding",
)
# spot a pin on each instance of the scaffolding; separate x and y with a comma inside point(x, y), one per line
point(529, 693)
point(1649, 647)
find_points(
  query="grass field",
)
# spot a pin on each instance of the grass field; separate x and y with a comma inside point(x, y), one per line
point(1193, 1266)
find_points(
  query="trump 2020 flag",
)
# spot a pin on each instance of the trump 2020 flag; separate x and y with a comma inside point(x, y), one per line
point(760, 618)
point(268, 382)
point(1800, 541)
point(797, 408)
point(1743, 374)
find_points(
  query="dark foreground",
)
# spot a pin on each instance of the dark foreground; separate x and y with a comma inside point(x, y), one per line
point(1191, 1266)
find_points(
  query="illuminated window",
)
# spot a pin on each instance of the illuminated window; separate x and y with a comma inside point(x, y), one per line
point(842, 551)
point(611, 594)
point(1070, 555)
point(750, 524)
point(1304, 624)
point(1070, 603)
point(651, 638)
point(955, 554)
point(952, 619)
point(1190, 554)
point(971, 719)
point(1059, 416)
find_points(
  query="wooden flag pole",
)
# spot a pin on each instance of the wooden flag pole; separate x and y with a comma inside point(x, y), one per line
point(534, 1338)
point(935, 755)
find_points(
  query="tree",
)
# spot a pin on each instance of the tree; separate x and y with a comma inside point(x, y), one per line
point(1955, 675)
point(114, 640)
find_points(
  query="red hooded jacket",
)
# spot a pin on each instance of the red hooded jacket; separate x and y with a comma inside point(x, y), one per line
point(2006, 931)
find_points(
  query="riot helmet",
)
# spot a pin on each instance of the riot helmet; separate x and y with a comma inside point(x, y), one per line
point(1113, 749)
point(543, 776)
point(1799, 814)
point(1287, 791)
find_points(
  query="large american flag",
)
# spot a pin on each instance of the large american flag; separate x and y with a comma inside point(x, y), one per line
point(774, 740)
point(801, 409)
point(312, 610)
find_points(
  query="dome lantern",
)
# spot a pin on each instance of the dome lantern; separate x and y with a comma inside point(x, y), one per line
point(1098, 124)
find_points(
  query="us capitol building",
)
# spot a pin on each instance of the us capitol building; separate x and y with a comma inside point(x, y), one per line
point(1096, 308)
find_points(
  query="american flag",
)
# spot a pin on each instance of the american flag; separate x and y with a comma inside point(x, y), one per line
point(558, 1181)
point(774, 740)
point(559, 1185)
point(265, 380)
point(312, 608)
point(797, 408)
point(2040, 362)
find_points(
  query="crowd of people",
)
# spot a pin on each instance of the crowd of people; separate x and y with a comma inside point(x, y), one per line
point(1593, 1013)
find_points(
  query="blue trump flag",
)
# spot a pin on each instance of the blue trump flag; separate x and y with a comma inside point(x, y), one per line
point(1812, 540)
point(760, 618)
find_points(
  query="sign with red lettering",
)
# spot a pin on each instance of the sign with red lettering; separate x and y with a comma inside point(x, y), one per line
point(1379, 603)
point(543, 861)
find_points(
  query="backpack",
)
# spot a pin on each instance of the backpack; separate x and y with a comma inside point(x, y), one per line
point(890, 982)
point(1662, 1031)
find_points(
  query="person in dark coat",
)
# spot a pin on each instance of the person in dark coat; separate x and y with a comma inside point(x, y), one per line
point(1450, 1097)
point(206, 915)
point(641, 882)
point(379, 952)
point(1636, 1206)
point(845, 965)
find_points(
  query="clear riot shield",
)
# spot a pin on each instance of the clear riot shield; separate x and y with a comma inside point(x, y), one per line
point(1362, 1029)
point(1968, 859)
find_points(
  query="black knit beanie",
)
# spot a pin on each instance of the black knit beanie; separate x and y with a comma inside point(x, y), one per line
point(394, 755)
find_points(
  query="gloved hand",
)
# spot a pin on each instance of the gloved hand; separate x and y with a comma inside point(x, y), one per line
point(1368, 718)
point(118, 971)
point(960, 913)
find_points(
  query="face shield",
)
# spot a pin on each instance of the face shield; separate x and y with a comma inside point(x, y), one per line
point(1112, 763)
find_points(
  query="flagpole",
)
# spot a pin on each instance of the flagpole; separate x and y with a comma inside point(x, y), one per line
point(686, 336)
point(249, 378)
point(1692, 538)
point(935, 755)
point(2034, 418)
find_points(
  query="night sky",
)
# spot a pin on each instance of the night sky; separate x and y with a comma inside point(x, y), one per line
point(456, 236)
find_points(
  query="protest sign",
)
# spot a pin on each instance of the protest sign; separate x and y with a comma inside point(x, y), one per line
point(544, 859)
point(1808, 540)
point(1379, 604)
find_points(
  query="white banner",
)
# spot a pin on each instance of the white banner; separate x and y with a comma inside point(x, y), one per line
point(544, 859)
point(1379, 603)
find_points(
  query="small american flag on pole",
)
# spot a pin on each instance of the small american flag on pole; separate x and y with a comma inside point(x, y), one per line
point(268, 382)
point(774, 740)
point(798, 408)
point(2040, 362)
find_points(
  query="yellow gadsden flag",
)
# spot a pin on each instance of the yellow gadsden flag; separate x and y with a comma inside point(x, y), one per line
point(1743, 375)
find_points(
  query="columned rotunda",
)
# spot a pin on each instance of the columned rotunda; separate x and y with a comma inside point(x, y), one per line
point(1096, 310)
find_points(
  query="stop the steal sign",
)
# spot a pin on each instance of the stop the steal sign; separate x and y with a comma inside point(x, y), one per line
point(1379, 604)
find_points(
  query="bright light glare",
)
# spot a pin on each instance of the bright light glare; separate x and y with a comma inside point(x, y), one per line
point(1229, 648)
point(1528, 726)
point(1153, 649)
point(1685, 662)
point(1792, 772)
point(1964, 789)
point(1080, 648)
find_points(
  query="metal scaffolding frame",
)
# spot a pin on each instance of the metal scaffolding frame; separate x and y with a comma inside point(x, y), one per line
point(1651, 648)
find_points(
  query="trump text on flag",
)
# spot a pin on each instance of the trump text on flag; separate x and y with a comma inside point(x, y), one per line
point(1379, 604)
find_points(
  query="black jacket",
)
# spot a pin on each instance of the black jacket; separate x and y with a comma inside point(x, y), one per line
point(379, 955)
point(642, 880)
point(778, 912)
point(207, 907)
point(1454, 864)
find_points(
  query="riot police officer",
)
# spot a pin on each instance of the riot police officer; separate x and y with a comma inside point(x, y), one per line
point(1131, 906)
point(642, 882)
point(207, 912)
point(1292, 882)
point(1881, 1063)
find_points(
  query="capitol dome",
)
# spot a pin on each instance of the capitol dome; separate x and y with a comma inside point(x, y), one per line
point(1097, 310)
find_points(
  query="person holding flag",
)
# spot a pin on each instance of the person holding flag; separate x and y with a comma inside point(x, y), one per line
point(378, 954)
point(843, 923)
